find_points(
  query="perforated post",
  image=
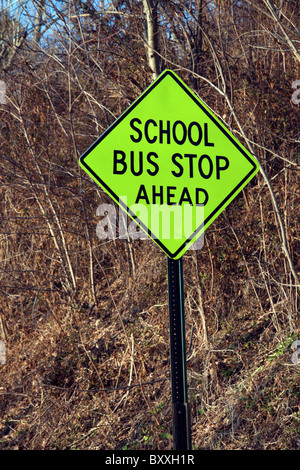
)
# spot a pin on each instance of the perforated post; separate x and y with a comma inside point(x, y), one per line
point(181, 409)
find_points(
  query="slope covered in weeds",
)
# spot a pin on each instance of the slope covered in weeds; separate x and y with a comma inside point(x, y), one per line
point(83, 320)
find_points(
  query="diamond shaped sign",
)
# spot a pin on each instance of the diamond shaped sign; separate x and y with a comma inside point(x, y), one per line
point(170, 164)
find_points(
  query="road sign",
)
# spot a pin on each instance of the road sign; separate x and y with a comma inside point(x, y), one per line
point(170, 163)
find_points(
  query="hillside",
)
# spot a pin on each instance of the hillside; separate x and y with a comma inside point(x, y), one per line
point(84, 326)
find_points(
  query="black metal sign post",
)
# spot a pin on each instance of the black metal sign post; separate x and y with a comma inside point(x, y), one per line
point(181, 409)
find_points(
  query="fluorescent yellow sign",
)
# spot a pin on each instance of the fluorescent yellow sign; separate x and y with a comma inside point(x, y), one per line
point(170, 164)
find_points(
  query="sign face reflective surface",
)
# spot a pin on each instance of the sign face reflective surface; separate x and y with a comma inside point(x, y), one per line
point(170, 164)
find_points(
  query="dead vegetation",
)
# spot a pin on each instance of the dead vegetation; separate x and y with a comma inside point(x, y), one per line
point(85, 321)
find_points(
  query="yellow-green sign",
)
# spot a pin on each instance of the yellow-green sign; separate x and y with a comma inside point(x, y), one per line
point(170, 164)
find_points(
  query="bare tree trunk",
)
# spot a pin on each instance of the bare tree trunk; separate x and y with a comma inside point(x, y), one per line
point(151, 35)
point(11, 39)
point(38, 21)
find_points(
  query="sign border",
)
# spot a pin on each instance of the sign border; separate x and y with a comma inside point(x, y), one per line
point(209, 114)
